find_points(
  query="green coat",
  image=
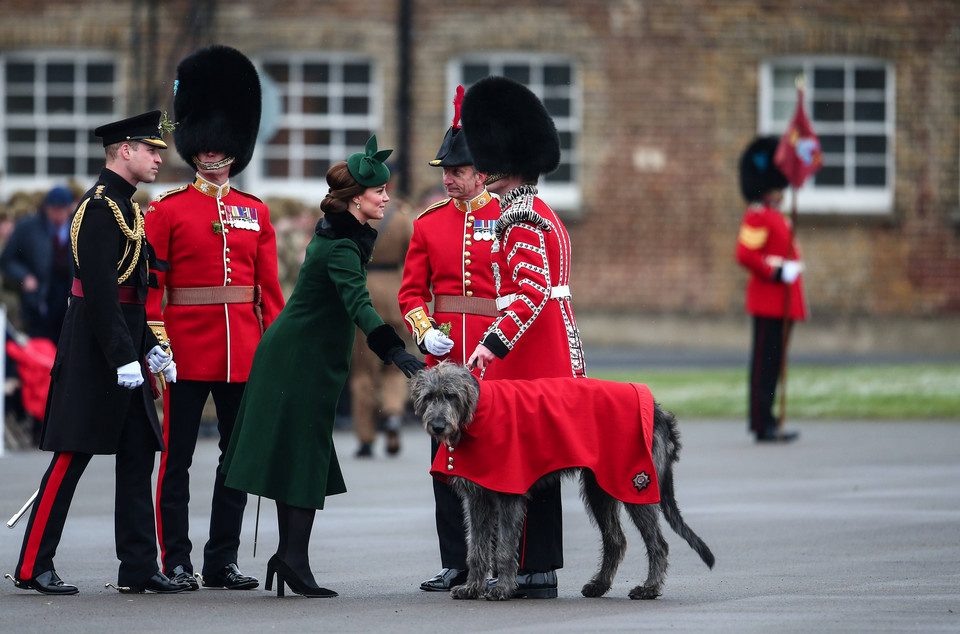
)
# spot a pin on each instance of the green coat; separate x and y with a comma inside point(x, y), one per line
point(282, 443)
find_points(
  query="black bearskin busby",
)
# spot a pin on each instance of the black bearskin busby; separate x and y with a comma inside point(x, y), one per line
point(216, 105)
point(758, 172)
point(508, 129)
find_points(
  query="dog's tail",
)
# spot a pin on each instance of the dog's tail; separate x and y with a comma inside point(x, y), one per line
point(668, 500)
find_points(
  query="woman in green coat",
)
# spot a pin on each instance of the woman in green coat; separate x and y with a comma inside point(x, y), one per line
point(282, 443)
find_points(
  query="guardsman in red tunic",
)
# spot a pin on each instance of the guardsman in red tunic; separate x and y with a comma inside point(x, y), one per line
point(535, 334)
point(99, 402)
point(448, 262)
point(221, 292)
point(766, 248)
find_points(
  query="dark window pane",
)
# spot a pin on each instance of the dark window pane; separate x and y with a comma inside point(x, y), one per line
point(316, 73)
point(19, 104)
point(869, 111)
point(61, 165)
point(865, 79)
point(356, 105)
point(473, 73)
point(100, 73)
point(557, 107)
point(566, 140)
point(20, 165)
point(316, 105)
point(829, 176)
point(828, 78)
point(21, 136)
point(556, 75)
point(517, 72)
point(357, 138)
point(99, 105)
point(356, 74)
point(62, 136)
point(60, 73)
point(94, 165)
point(871, 144)
point(316, 137)
point(315, 168)
point(60, 104)
point(285, 103)
point(871, 176)
point(832, 143)
point(281, 137)
point(20, 73)
point(278, 168)
point(828, 111)
point(280, 73)
point(563, 174)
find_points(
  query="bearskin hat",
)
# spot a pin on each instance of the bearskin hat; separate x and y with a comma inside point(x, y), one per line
point(758, 172)
point(216, 105)
point(508, 129)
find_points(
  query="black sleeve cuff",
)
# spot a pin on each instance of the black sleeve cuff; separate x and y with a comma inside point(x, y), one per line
point(493, 344)
point(382, 340)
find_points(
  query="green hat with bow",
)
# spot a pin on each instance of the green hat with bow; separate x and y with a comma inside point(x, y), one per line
point(367, 167)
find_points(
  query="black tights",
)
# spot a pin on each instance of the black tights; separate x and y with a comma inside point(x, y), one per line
point(295, 525)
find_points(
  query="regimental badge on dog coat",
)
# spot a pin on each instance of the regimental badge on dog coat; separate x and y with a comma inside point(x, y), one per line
point(525, 429)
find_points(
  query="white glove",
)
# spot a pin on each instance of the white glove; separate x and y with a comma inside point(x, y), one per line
point(129, 375)
point(170, 372)
point(437, 343)
point(790, 271)
point(158, 359)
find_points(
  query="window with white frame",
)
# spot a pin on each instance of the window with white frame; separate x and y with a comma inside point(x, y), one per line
point(51, 102)
point(554, 80)
point(318, 109)
point(850, 103)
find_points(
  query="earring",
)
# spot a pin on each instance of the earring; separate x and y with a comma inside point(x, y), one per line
point(358, 205)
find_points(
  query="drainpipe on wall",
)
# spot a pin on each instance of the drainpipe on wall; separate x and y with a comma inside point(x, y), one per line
point(404, 22)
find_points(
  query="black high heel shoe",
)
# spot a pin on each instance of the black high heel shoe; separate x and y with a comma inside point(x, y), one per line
point(288, 576)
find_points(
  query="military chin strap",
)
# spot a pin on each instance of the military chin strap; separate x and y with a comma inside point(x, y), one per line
point(213, 166)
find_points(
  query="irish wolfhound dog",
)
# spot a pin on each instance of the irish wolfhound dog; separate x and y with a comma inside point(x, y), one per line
point(447, 398)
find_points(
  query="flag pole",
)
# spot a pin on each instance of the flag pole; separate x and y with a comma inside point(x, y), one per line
point(799, 83)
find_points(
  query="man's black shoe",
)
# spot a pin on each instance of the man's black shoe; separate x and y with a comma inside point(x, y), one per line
point(773, 436)
point(180, 575)
point(48, 582)
point(231, 578)
point(158, 583)
point(444, 580)
point(533, 585)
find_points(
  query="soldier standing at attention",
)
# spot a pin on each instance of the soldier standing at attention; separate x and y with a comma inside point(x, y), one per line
point(221, 291)
point(99, 402)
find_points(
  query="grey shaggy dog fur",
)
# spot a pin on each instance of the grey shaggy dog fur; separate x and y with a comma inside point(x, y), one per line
point(445, 397)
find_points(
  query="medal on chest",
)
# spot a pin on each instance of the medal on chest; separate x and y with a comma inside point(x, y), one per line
point(483, 229)
point(242, 217)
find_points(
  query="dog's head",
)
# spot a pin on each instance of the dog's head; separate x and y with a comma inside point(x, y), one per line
point(445, 398)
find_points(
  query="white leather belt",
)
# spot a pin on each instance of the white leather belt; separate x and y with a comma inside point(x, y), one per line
point(557, 292)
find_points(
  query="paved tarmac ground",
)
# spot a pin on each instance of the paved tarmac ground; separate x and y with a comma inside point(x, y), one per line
point(855, 528)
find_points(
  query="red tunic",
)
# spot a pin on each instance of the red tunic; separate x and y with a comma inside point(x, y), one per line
point(536, 334)
point(193, 231)
point(449, 254)
point(523, 430)
point(765, 240)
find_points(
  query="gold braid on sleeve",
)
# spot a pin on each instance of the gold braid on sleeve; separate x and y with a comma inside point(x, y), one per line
point(134, 236)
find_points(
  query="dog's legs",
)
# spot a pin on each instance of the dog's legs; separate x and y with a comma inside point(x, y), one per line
point(513, 509)
point(646, 517)
point(604, 512)
point(480, 512)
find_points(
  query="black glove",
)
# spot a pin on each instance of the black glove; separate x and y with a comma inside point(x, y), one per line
point(407, 363)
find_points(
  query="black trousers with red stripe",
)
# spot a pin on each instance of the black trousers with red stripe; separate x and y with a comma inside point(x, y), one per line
point(541, 543)
point(765, 361)
point(133, 507)
point(181, 426)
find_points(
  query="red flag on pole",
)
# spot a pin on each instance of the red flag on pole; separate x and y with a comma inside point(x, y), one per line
point(798, 153)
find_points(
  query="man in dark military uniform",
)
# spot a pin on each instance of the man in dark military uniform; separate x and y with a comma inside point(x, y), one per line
point(99, 402)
